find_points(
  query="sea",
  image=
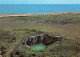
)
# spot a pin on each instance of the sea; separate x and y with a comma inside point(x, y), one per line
point(37, 8)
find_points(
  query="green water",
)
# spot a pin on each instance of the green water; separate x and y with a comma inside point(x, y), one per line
point(39, 47)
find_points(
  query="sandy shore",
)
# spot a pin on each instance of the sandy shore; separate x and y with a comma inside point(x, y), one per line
point(39, 14)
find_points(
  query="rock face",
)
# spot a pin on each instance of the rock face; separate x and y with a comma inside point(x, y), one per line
point(41, 39)
point(50, 39)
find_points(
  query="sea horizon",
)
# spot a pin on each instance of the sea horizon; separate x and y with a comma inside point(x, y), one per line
point(6, 9)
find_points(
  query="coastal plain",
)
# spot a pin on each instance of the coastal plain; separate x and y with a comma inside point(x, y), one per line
point(15, 28)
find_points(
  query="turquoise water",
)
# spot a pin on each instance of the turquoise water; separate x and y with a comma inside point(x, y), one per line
point(38, 8)
point(38, 47)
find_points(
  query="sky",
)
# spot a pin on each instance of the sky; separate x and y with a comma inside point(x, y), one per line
point(39, 1)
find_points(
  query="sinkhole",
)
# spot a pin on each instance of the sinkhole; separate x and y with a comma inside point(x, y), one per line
point(38, 42)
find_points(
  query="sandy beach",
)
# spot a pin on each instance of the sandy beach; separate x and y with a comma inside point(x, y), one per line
point(11, 15)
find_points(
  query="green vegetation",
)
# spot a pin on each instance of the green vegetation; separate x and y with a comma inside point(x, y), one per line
point(42, 18)
point(14, 29)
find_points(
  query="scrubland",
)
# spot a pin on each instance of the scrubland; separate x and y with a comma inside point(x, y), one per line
point(14, 29)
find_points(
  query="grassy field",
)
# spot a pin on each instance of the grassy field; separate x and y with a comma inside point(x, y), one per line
point(14, 29)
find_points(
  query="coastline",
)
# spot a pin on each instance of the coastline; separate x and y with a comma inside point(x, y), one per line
point(21, 15)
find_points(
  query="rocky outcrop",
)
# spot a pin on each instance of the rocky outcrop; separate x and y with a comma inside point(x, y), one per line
point(41, 39)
